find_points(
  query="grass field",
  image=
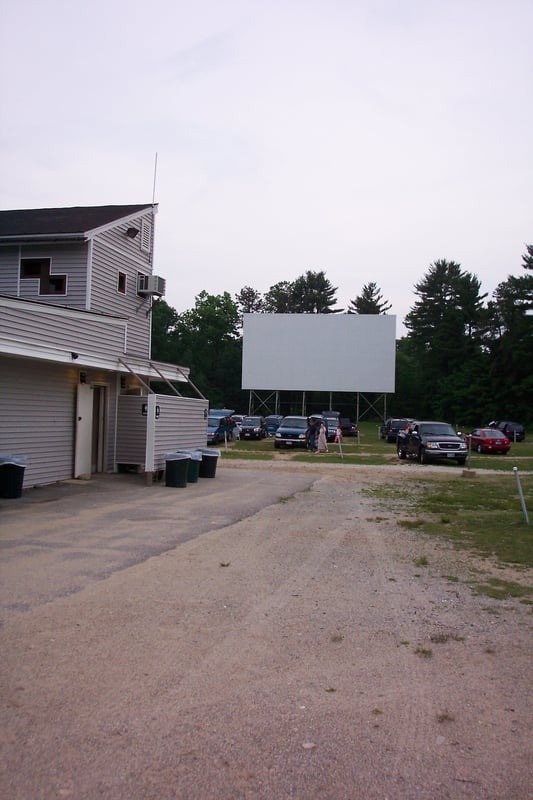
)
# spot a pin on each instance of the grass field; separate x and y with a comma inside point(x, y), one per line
point(370, 449)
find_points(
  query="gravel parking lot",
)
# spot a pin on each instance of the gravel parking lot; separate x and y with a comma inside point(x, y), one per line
point(265, 634)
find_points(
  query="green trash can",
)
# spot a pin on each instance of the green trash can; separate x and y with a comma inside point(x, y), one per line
point(193, 469)
point(208, 467)
point(176, 466)
point(11, 475)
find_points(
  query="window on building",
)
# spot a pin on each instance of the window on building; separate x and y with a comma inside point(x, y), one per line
point(121, 283)
point(39, 268)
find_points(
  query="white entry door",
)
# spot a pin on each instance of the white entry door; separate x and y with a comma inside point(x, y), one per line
point(84, 428)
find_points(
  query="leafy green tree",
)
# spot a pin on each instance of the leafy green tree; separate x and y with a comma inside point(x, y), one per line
point(370, 301)
point(249, 301)
point(510, 343)
point(313, 293)
point(164, 320)
point(278, 299)
point(445, 330)
point(208, 342)
point(527, 258)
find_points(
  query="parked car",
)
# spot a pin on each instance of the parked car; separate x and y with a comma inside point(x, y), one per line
point(431, 441)
point(348, 427)
point(392, 426)
point(292, 432)
point(272, 423)
point(219, 429)
point(253, 428)
point(513, 430)
point(488, 440)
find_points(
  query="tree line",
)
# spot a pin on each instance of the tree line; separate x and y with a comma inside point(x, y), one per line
point(466, 358)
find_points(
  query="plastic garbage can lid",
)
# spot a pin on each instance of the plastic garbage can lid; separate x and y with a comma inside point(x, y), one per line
point(9, 458)
point(176, 456)
point(194, 455)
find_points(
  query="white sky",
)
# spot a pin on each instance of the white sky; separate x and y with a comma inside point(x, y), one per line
point(365, 138)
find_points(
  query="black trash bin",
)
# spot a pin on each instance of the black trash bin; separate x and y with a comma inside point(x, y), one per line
point(11, 475)
point(193, 469)
point(176, 465)
point(208, 467)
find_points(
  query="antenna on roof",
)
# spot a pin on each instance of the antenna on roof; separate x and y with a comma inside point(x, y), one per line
point(155, 176)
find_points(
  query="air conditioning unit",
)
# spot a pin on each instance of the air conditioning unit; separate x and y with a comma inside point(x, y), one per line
point(151, 285)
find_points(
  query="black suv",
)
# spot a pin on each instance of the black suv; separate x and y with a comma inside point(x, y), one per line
point(431, 441)
point(392, 427)
point(253, 428)
point(513, 430)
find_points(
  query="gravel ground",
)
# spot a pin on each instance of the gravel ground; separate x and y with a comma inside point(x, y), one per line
point(264, 635)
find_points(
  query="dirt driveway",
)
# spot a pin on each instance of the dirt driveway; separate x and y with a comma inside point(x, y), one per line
point(265, 634)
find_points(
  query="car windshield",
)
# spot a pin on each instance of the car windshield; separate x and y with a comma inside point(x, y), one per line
point(398, 423)
point(493, 434)
point(294, 422)
point(437, 429)
point(214, 422)
point(251, 421)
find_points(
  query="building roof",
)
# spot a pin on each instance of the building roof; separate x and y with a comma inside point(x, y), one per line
point(58, 222)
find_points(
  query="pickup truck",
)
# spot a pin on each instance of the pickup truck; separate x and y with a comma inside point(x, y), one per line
point(431, 441)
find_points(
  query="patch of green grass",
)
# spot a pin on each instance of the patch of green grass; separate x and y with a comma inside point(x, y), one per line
point(423, 652)
point(482, 513)
point(411, 524)
point(421, 562)
point(501, 590)
point(246, 456)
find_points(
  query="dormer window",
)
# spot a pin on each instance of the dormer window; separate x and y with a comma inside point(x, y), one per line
point(39, 269)
point(146, 236)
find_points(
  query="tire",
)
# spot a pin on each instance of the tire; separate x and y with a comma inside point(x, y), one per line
point(276, 446)
point(461, 461)
point(401, 453)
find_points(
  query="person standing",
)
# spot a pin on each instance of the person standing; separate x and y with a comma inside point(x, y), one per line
point(311, 435)
point(322, 439)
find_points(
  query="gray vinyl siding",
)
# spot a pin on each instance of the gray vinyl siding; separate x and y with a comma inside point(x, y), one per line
point(37, 417)
point(114, 252)
point(9, 266)
point(62, 329)
point(69, 260)
point(131, 430)
point(181, 424)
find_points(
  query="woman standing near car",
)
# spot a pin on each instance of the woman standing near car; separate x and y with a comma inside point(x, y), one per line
point(322, 439)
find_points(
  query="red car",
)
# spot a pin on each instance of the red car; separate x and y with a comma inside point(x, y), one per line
point(489, 440)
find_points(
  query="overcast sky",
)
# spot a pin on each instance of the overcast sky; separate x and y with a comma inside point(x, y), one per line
point(365, 138)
